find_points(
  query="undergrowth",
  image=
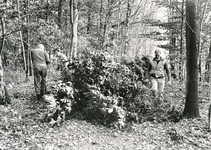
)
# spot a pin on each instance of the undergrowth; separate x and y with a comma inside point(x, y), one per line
point(109, 93)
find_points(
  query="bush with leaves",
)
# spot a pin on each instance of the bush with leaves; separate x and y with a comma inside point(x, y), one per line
point(60, 103)
point(109, 92)
point(112, 82)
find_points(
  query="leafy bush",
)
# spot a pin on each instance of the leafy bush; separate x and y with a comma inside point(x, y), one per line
point(60, 103)
point(105, 90)
point(108, 92)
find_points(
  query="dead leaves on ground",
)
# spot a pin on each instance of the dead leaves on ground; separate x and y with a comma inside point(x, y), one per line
point(20, 128)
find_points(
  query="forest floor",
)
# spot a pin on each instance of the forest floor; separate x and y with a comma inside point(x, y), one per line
point(21, 128)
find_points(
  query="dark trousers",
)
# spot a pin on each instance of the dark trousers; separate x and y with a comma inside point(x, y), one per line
point(40, 73)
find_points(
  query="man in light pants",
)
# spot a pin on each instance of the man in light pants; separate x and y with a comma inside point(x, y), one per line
point(157, 68)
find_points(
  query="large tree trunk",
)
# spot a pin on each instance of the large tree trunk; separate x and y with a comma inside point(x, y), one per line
point(191, 106)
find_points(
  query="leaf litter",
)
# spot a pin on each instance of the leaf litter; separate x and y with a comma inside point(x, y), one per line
point(21, 128)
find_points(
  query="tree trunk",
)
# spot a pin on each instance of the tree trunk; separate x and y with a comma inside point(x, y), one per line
point(208, 66)
point(88, 20)
point(101, 15)
point(29, 69)
point(4, 96)
point(181, 64)
point(60, 13)
point(201, 22)
point(128, 13)
point(2, 40)
point(191, 105)
point(105, 26)
point(74, 28)
point(118, 28)
point(21, 38)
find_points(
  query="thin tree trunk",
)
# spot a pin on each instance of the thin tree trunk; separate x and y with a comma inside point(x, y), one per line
point(128, 13)
point(2, 40)
point(88, 19)
point(1, 50)
point(191, 105)
point(201, 23)
point(74, 28)
point(101, 16)
point(105, 26)
point(118, 28)
point(181, 64)
point(60, 13)
point(208, 65)
point(28, 43)
point(3, 92)
point(21, 38)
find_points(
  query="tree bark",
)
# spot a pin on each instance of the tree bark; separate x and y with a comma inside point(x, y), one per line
point(191, 105)
point(3, 92)
point(128, 13)
point(101, 15)
point(60, 13)
point(88, 19)
point(201, 23)
point(74, 28)
point(21, 38)
point(2, 40)
point(181, 64)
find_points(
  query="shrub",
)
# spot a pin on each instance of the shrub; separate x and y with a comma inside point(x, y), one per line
point(60, 103)
point(107, 92)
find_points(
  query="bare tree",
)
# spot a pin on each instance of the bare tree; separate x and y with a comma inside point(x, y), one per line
point(191, 106)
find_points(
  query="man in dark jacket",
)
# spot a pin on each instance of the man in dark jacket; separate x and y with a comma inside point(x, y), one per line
point(157, 68)
point(40, 60)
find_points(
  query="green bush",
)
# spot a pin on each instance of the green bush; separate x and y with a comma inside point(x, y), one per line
point(111, 93)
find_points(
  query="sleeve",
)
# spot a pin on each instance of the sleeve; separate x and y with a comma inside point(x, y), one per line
point(166, 67)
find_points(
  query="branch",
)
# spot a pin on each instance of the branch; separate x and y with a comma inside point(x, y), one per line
point(7, 34)
point(2, 41)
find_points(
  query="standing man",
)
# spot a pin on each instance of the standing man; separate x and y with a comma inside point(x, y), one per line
point(157, 68)
point(40, 60)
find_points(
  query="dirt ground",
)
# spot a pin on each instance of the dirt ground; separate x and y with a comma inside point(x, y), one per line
point(21, 129)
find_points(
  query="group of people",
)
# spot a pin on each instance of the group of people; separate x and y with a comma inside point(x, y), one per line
point(157, 69)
